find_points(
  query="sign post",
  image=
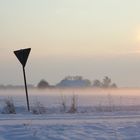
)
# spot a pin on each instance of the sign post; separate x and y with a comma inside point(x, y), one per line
point(22, 56)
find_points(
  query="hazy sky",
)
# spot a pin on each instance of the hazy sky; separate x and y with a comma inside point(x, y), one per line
point(92, 38)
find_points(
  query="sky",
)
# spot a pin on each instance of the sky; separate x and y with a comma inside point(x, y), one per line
point(91, 38)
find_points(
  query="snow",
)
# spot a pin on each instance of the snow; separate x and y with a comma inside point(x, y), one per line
point(69, 127)
point(120, 123)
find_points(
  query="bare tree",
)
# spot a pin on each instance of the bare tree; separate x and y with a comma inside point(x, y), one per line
point(106, 82)
point(113, 85)
point(97, 83)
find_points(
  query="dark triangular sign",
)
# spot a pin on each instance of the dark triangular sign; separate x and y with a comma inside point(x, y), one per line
point(22, 55)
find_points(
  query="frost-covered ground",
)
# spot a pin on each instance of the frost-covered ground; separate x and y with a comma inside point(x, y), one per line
point(100, 116)
point(107, 126)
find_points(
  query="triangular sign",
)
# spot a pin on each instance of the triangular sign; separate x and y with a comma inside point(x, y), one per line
point(22, 55)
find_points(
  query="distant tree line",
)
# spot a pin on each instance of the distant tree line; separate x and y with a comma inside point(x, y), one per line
point(69, 82)
point(106, 83)
point(79, 81)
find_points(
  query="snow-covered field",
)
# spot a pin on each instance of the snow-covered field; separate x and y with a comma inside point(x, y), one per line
point(69, 127)
point(88, 124)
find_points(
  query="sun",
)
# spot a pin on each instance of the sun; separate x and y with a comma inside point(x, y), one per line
point(137, 35)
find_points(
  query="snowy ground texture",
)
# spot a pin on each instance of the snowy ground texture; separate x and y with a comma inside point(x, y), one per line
point(109, 126)
point(100, 116)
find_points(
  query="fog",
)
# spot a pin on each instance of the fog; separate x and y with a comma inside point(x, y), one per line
point(84, 97)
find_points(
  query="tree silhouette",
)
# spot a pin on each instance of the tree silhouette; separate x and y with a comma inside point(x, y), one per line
point(106, 82)
point(43, 84)
point(97, 83)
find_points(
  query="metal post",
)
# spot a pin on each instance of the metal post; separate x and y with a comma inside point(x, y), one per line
point(26, 89)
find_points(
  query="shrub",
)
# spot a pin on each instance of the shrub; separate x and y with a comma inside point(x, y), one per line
point(38, 108)
point(9, 107)
point(63, 103)
point(73, 108)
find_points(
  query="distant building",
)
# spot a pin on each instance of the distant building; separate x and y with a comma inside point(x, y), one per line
point(74, 81)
